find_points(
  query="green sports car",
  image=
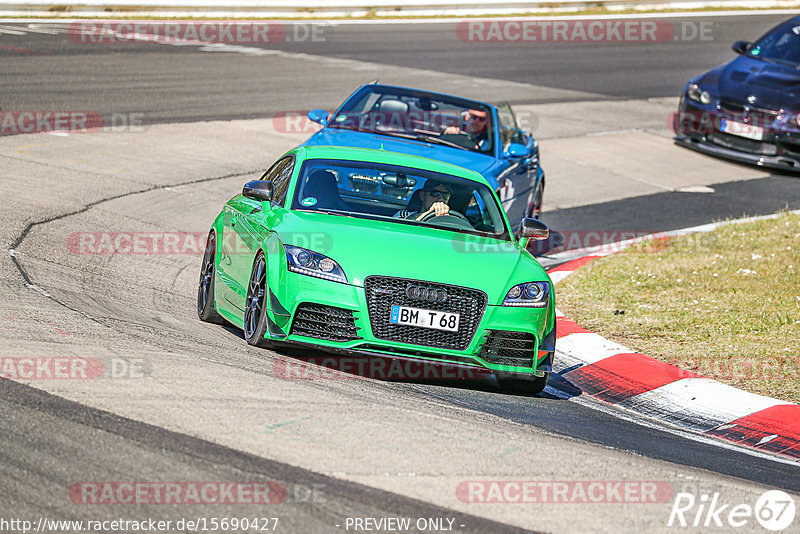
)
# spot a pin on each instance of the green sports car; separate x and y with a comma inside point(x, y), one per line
point(381, 254)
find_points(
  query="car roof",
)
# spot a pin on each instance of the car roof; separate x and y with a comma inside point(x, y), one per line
point(388, 157)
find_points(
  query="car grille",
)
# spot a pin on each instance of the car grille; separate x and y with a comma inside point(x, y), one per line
point(742, 143)
point(324, 322)
point(383, 292)
point(504, 347)
point(757, 116)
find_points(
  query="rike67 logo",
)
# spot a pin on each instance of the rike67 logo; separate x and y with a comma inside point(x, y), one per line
point(774, 510)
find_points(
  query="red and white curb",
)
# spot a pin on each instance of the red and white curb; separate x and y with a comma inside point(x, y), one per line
point(617, 375)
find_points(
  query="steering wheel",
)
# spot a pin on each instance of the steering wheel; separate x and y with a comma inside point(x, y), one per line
point(454, 218)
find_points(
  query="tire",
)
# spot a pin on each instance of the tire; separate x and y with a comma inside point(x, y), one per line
point(205, 287)
point(527, 386)
point(255, 307)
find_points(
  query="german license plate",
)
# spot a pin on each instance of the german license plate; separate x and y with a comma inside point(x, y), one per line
point(424, 318)
point(741, 129)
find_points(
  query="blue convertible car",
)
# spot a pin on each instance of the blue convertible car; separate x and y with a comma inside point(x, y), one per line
point(475, 135)
point(749, 109)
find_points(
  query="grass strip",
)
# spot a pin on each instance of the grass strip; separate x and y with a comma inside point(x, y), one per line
point(724, 304)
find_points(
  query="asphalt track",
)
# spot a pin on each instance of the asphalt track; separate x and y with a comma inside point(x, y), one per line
point(175, 83)
point(210, 407)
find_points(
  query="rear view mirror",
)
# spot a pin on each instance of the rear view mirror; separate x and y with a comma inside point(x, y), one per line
point(399, 180)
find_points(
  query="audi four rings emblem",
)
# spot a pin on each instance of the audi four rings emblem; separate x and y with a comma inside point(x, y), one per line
point(431, 294)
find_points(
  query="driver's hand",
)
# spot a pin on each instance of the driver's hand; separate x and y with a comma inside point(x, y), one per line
point(440, 208)
point(451, 130)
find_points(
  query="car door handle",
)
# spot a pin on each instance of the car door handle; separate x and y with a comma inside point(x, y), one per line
point(233, 220)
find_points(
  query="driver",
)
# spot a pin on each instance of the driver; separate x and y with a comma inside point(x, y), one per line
point(476, 127)
point(434, 197)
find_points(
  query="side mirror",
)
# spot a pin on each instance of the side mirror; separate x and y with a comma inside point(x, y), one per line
point(258, 190)
point(533, 229)
point(318, 115)
point(516, 150)
point(742, 47)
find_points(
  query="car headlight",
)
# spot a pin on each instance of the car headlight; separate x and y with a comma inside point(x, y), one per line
point(530, 295)
point(698, 95)
point(310, 263)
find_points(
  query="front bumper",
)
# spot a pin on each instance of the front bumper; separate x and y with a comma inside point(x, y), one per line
point(698, 128)
point(298, 292)
point(702, 144)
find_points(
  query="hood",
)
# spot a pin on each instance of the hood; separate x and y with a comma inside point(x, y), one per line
point(475, 161)
point(364, 247)
point(773, 86)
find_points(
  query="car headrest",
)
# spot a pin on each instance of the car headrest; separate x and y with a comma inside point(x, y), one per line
point(392, 106)
point(321, 184)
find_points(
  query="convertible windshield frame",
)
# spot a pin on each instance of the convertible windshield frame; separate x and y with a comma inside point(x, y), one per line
point(469, 189)
point(357, 114)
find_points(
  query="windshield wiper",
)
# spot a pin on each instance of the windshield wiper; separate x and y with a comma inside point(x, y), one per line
point(393, 134)
point(775, 61)
point(785, 62)
point(438, 141)
point(344, 213)
point(373, 131)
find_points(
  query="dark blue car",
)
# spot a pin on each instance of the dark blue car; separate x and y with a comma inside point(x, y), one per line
point(748, 110)
point(475, 135)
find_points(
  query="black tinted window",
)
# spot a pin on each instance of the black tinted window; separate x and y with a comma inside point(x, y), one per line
point(279, 175)
point(782, 45)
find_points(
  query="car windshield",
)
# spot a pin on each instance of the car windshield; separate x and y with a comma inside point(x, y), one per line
point(434, 119)
point(781, 45)
point(399, 194)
